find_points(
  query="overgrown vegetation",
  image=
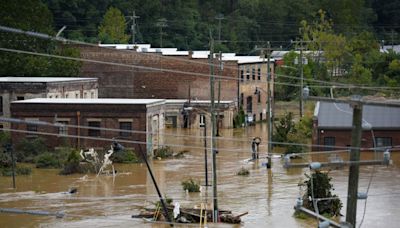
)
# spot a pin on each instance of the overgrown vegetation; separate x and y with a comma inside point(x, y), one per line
point(124, 156)
point(71, 165)
point(243, 172)
point(163, 152)
point(287, 131)
point(239, 118)
point(190, 185)
point(319, 186)
point(28, 148)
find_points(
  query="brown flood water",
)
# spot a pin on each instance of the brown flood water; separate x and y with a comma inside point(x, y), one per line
point(268, 196)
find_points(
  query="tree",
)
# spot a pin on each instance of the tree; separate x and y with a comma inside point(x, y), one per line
point(113, 26)
point(25, 15)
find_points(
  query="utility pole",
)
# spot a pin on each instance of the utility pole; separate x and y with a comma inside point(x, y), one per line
point(213, 130)
point(219, 17)
point(269, 115)
point(300, 62)
point(354, 170)
point(133, 26)
point(161, 23)
point(221, 68)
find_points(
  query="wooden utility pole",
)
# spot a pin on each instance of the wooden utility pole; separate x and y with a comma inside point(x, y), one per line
point(354, 170)
point(133, 26)
point(213, 130)
point(161, 23)
point(269, 111)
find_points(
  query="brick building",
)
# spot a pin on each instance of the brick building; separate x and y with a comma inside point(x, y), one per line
point(253, 87)
point(159, 75)
point(144, 117)
point(21, 88)
point(332, 126)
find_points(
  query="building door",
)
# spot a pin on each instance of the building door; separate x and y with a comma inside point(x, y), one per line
point(249, 104)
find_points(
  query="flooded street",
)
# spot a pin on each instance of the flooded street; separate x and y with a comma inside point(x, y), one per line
point(267, 195)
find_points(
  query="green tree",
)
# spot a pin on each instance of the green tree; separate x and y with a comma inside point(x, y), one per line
point(113, 26)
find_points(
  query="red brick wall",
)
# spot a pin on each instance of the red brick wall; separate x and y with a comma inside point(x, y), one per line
point(124, 82)
point(109, 115)
point(343, 137)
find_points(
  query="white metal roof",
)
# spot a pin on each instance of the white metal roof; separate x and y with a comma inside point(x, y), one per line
point(90, 101)
point(41, 79)
point(179, 101)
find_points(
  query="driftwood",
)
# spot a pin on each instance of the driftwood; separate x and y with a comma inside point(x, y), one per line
point(190, 215)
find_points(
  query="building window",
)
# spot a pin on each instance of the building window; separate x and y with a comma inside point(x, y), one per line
point(253, 74)
point(241, 75)
point(92, 95)
point(247, 74)
point(77, 95)
point(125, 126)
point(66, 95)
point(261, 116)
point(259, 74)
point(63, 129)
point(249, 107)
point(1, 105)
point(241, 99)
point(259, 97)
point(20, 98)
point(383, 141)
point(329, 142)
point(94, 132)
point(85, 95)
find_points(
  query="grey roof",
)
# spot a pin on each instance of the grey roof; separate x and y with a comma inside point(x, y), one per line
point(107, 101)
point(339, 115)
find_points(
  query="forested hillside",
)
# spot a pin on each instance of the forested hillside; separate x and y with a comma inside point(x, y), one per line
point(186, 24)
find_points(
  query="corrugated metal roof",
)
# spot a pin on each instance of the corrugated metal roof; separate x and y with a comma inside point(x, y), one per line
point(340, 115)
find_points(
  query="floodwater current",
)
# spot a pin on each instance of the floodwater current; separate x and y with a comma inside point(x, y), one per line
point(267, 195)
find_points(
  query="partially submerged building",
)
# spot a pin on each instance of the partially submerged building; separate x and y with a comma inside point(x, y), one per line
point(86, 123)
point(22, 88)
point(332, 125)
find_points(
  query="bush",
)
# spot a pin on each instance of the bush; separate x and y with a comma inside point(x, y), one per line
point(71, 165)
point(48, 160)
point(163, 152)
point(191, 186)
point(321, 188)
point(243, 172)
point(27, 149)
point(18, 171)
point(126, 156)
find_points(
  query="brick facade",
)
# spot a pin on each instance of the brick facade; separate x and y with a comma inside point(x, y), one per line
point(107, 115)
point(151, 81)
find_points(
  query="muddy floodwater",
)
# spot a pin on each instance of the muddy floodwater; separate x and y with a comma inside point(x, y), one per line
point(267, 195)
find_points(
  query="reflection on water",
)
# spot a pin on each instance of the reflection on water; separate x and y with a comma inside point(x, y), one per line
point(268, 195)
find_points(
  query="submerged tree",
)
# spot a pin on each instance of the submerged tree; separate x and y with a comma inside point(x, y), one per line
point(319, 187)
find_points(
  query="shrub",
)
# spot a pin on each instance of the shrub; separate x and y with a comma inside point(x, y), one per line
point(243, 172)
point(190, 185)
point(18, 171)
point(27, 149)
point(321, 188)
point(71, 165)
point(47, 160)
point(163, 152)
point(126, 156)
